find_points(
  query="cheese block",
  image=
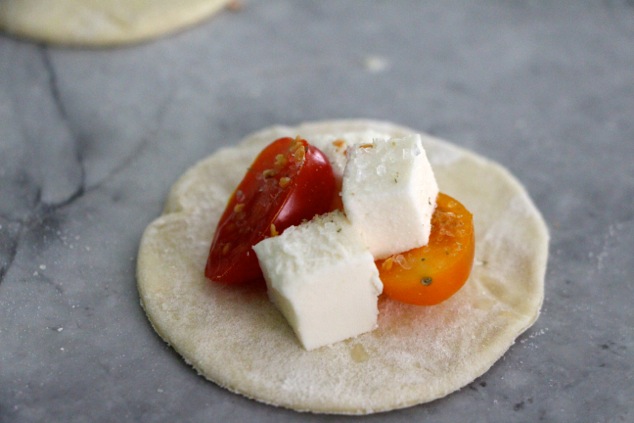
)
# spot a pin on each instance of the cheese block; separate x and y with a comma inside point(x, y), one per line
point(334, 146)
point(323, 279)
point(389, 194)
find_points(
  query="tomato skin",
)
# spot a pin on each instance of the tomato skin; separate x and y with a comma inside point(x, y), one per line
point(289, 181)
point(430, 274)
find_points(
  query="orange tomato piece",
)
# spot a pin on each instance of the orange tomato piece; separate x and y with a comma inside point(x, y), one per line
point(430, 274)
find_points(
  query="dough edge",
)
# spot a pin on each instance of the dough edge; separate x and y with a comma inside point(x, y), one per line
point(335, 396)
point(74, 23)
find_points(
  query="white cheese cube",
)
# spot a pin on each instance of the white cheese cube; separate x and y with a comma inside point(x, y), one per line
point(334, 146)
point(323, 279)
point(389, 194)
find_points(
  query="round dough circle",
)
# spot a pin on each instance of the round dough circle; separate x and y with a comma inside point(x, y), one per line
point(236, 338)
point(101, 22)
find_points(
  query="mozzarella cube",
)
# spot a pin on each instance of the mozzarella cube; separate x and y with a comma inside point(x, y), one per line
point(389, 194)
point(334, 146)
point(323, 279)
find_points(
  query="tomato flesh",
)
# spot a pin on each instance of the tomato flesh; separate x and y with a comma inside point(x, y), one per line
point(290, 181)
point(430, 274)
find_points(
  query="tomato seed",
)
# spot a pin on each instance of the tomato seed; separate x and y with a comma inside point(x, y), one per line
point(299, 154)
point(387, 264)
point(284, 181)
point(280, 161)
point(268, 173)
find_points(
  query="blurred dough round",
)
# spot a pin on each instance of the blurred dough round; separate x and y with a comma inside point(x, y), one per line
point(101, 22)
point(236, 338)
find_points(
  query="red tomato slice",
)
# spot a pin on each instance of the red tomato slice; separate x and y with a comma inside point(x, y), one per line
point(429, 275)
point(290, 181)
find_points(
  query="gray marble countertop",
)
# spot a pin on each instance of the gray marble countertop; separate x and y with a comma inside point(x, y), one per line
point(91, 141)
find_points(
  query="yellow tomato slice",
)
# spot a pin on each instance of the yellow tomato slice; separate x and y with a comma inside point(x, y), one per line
point(429, 275)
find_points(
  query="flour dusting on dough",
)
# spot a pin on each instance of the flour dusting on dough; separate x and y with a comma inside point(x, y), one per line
point(236, 338)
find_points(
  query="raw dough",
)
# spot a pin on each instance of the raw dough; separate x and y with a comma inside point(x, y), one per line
point(236, 338)
point(101, 22)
